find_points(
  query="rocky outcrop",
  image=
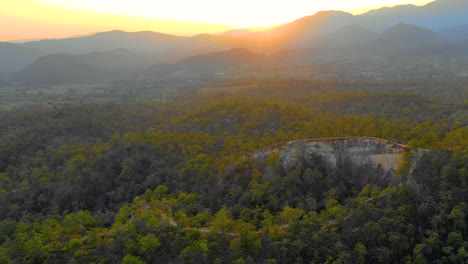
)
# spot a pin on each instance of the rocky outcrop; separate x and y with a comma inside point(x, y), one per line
point(363, 158)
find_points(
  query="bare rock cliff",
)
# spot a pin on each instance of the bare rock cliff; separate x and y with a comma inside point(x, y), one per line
point(363, 158)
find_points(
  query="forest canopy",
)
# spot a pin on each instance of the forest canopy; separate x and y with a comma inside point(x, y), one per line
point(147, 181)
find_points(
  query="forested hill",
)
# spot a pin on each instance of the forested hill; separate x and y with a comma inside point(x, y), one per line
point(169, 181)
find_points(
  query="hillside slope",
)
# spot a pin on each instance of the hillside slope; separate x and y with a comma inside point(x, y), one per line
point(208, 65)
point(95, 66)
point(14, 56)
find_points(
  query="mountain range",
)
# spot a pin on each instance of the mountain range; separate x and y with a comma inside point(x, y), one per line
point(91, 67)
point(208, 65)
point(438, 29)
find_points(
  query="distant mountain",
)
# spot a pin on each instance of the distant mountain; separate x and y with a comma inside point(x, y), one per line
point(168, 48)
point(435, 15)
point(328, 46)
point(145, 41)
point(57, 69)
point(298, 34)
point(403, 37)
point(349, 35)
point(96, 66)
point(327, 36)
point(14, 56)
point(120, 61)
point(307, 30)
point(455, 33)
point(171, 47)
point(224, 59)
point(392, 42)
point(302, 30)
point(201, 44)
point(209, 65)
point(310, 30)
point(353, 42)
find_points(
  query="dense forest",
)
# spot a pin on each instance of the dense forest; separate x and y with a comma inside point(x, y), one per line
point(149, 180)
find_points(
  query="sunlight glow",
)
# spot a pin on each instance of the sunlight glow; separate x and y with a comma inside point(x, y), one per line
point(27, 19)
point(240, 13)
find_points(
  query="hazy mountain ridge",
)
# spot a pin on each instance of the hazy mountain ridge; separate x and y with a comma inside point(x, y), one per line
point(435, 15)
point(144, 41)
point(225, 58)
point(209, 65)
point(400, 38)
point(455, 33)
point(95, 66)
point(305, 29)
point(60, 68)
point(14, 56)
point(327, 36)
point(364, 43)
point(298, 32)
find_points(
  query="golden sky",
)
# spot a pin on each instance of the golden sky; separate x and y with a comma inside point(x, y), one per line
point(31, 19)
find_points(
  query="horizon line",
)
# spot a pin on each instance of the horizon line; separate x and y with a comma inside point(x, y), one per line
point(355, 12)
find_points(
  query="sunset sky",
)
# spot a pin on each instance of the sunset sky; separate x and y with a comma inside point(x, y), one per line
point(31, 19)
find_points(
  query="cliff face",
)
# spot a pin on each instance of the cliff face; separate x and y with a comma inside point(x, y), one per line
point(362, 158)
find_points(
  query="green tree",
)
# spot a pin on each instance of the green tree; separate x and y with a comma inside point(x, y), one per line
point(130, 259)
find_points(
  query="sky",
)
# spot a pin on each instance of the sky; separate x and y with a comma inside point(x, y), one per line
point(31, 19)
